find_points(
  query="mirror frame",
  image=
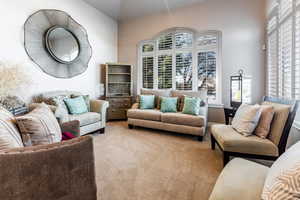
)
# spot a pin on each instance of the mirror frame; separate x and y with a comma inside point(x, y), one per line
point(50, 30)
point(35, 30)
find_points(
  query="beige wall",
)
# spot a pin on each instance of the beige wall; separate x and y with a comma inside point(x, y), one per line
point(241, 22)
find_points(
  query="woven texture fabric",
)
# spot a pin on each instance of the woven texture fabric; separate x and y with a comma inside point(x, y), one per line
point(168, 104)
point(10, 136)
point(41, 125)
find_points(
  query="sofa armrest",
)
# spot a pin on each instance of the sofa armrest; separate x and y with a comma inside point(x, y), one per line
point(135, 106)
point(64, 165)
point(240, 179)
point(100, 106)
point(72, 127)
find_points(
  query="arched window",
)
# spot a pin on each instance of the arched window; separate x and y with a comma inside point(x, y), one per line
point(182, 59)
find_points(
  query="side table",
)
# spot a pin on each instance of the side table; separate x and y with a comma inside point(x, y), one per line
point(229, 113)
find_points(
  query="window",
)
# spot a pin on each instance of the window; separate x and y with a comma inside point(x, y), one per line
point(182, 59)
point(283, 50)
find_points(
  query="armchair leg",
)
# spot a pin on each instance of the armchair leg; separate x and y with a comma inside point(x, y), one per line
point(226, 158)
point(213, 142)
point(102, 130)
point(130, 126)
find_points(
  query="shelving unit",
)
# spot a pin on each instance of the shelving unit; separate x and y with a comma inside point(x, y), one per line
point(118, 89)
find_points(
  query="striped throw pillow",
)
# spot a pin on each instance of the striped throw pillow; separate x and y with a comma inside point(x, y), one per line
point(41, 126)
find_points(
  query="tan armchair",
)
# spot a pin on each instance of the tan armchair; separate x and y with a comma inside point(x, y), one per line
point(234, 144)
point(90, 122)
point(60, 171)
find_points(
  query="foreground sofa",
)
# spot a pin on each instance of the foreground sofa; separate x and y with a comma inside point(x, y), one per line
point(174, 122)
point(93, 121)
point(60, 171)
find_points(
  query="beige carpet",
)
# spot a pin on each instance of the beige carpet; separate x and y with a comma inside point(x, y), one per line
point(143, 164)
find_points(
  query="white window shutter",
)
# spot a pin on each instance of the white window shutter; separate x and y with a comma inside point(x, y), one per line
point(285, 8)
point(184, 71)
point(285, 59)
point(164, 71)
point(297, 55)
point(183, 40)
point(165, 42)
point(148, 69)
point(272, 65)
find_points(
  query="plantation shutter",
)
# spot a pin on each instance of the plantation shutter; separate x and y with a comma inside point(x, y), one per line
point(285, 59)
point(165, 42)
point(285, 8)
point(297, 55)
point(183, 40)
point(184, 71)
point(272, 65)
point(148, 67)
point(164, 71)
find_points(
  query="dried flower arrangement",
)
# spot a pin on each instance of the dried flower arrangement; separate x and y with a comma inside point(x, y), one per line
point(12, 79)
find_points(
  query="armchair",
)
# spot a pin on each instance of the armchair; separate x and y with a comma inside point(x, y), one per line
point(93, 121)
point(234, 144)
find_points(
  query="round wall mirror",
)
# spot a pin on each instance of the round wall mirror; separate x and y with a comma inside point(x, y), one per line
point(62, 44)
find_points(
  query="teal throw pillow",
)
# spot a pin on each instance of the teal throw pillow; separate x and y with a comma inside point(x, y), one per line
point(147, 101)
point(76, 105)
point(191, 106)
point(86, 99)
point(168, 104)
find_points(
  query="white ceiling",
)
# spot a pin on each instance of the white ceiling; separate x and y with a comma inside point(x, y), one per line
point(127, 9)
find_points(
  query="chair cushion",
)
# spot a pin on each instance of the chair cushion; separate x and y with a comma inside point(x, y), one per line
point(281, 113)
point(154, 115)
point(183, 119)
point(86, 118)
point(283, 180)
point(232, 141)
point(240, 179)
point(9, 134)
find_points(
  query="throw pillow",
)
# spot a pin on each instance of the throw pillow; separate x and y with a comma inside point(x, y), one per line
point(168, 104)
point(283, 179)
point(147, 101)
point(263, 128)
point(67, 136)
point(86, 99)
point(76, 105)
point(246, 119)
point(191, 105)
point(41, 126)
point(10, 136)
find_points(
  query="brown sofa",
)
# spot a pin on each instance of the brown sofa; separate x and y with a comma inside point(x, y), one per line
point(174, 122)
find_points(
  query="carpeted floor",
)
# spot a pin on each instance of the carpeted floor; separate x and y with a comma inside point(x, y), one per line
point(143, 164)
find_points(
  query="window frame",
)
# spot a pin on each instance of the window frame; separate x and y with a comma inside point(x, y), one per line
point(194, 49)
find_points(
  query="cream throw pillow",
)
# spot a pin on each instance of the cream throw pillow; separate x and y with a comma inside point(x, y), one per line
point(41, 126)
point(9, 134)
point(246, 119)
point(264, 125)
point(283, 179)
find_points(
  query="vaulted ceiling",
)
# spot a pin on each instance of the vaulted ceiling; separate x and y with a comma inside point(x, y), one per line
point(128, 9)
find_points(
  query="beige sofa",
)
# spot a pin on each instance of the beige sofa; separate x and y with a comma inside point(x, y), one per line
point(93, 121)
point(174, 122)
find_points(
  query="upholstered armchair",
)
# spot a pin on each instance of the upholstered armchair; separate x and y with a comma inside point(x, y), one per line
point(234, 144)
point(93, 121)
point(61, 171)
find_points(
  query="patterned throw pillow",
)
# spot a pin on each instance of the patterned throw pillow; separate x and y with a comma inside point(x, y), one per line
point(10, 136)
point(263, 128)
point(191, 105)
point(283, 179)
point(41, 125)
point(168, 104)
point(147, 101)
point(76, 105)
point(246, 119)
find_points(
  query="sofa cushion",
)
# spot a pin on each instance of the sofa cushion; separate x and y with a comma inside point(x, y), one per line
point(154, 115)
point(147, 101)
point(240, 179)
point(232, 141)
point(157, 93)
point(41, 125)
point(168, 104)
point(86, 118)
point(283, 180)
point(281, 113)
point(263, 128)
point(183, 119)
point(9, 134)
point(76, 105)
point(202, 94)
